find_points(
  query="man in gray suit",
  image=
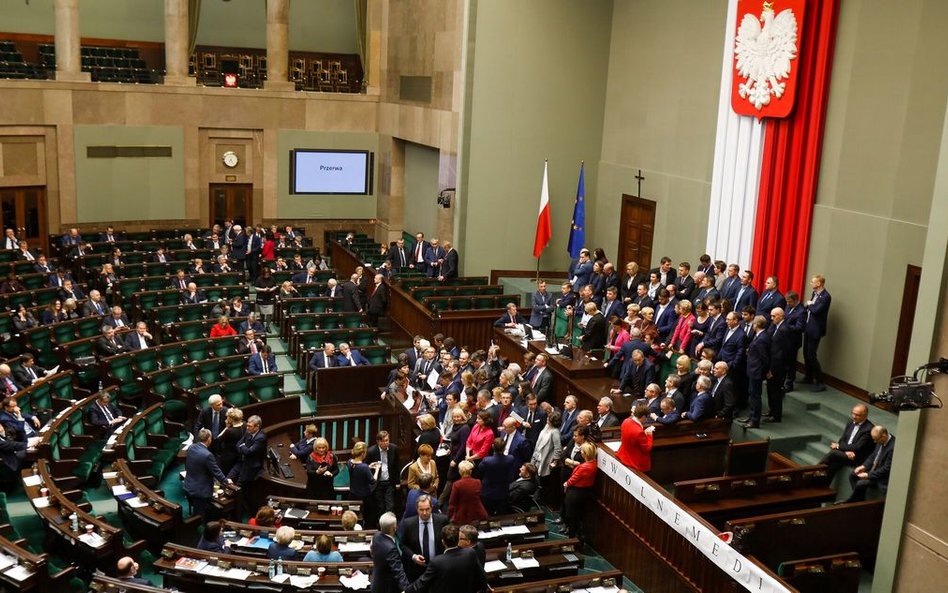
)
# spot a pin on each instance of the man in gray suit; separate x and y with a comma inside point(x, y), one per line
point(201, 470)
point(542, 303)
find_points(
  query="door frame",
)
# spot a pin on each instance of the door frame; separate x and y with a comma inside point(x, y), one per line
point(628, 199)
point(41, 241)
point(212, 187)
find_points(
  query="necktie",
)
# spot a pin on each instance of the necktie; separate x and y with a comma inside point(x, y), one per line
point(325, 361)
point(875, 461)
point(265, 368)
point(108, 414)
point(30, 371)
point(29, 256)
point(530, 417)
point(425, 547)
point(852, 435)
point(253, 348)
point(215, 426)
point(535, 376)
point(11, 388)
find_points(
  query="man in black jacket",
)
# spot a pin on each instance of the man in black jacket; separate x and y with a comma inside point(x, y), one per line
point(419, 537)
point(457, 570)
point(854, 445)
point(875, 470)
point(386, 454)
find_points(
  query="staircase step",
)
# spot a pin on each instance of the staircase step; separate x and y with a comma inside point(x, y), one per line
point(804, 457)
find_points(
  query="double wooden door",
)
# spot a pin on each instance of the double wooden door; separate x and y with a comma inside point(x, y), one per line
point(231, 201)
point(636, 232)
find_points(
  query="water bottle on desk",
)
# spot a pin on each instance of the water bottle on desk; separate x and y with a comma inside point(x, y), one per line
point(279, 566)
point(74, 518)
point(509, 551)
point(271, 571)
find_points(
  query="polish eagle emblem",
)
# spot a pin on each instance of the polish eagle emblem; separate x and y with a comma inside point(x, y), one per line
point(765, 49)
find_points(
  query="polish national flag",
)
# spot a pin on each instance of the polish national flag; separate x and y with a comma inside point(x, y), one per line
point(544, 231)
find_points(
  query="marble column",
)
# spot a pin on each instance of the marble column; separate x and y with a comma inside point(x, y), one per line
point(68, 62)
point(278, 37)
point(176, 44)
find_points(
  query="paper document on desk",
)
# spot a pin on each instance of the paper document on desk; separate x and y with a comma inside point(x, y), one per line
point(41, 502)
point(293, 513)
point(303, 582)
point(109, 475)
point(32, 480)
point(93, 539)
point(356, 581)
point(18, 573)
point(515, 529)
point(495, 566)
point(551, 350)
point(185, 563)
point(136, 503)
point(614, 445)
point(241, 574)
point(521, 563)
point(281, 578)
point(6, 561)
point(490, 534)
point(119, 489)
point(354, 547)
point(602, 589)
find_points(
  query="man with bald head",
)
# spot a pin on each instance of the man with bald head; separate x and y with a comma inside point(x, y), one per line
point(854, 445)
point(515, 443)
point(127, 570)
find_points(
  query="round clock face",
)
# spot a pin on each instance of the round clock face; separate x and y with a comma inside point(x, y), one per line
point(230, 159)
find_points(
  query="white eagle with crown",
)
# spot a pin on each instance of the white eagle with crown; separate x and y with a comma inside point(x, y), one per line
point(764, 49)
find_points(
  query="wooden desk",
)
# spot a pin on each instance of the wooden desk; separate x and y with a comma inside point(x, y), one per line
point(233, 532)
point(346, 386)
point(158, 521)
point(318, 514)
point(556, 585)
point(562, 558)
point(586, 379)
point(190, 581)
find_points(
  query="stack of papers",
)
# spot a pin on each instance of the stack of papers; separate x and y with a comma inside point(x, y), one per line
point(32, 481)
point(93, 539)
point(109, 475)
point(6, 561)
point(19, 573)
point(119, 489)
point(490, 534)
point(41, 502)
point(356, 581)
point(189, 564)
point(515, 529)
point(521, 563)
point(303, 582)
point(494, 566)
point(354, 547)
point(136, 503)
point(281, 578)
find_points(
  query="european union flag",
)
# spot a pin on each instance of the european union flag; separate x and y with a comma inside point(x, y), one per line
point(577, 230)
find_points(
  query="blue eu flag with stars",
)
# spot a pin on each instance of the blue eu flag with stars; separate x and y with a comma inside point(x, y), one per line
point(577, 229)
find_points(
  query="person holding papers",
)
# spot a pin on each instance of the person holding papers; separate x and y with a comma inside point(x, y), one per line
point(103, 413)
point(510, 319)
point(29, 371)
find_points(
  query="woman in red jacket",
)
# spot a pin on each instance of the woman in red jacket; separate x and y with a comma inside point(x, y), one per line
point(635, 450)
point(222, 328)
point(465, 504)
point(579, 488)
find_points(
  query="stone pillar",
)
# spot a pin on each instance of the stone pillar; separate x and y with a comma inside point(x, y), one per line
point(278, 37)
point(68, 61)
point(176, 44)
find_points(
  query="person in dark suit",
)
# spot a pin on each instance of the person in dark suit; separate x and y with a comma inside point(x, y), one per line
point(323, 359)
point(514, 442)
point(104, 413)
point(418, 536)
point(27, 371)
point(213, 418)
point(522, 490)
point(664, 272)
point(746, 294)
point(434, 258)
point(595, 333)
point(449, 269)
point(201, 470)
point(348, 357)
point(817, 313)
point(263, 362)
point(771, 298)
point(140, 338)
point(251, 450)
point(388, 572)
point(108, 344)
point(758, 368)
point(606, 418)
point(723, 395)
point(127, 570)
point(582, 272)
point(637, 374)
point(542, 307)
point(384, 456)
point(350, 295)
point(377, 300)
point(612, 307)
point(875, 470)
point(669, 413)
point(42, 266)
point(795, 315)
point(534, 418)
point(542, 379)
point(13, 455)
point(398, 255)
point(496, 472)
point(781, 349)
point(417, 259)
point(568, 418)
point(511, 318)
point(457, 570)
point(239, 247)
point(854, 445)
point(734, 343)
point(684, 283)
point(701, 406)
point(306, 277)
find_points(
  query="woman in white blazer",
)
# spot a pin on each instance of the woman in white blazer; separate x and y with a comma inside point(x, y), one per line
point(546, 453)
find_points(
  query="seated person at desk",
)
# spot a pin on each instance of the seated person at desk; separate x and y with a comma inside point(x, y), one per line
point(302, 448)
point(511, 318)
point(349, 521)
point(265, 517)
point(127, 570)
point(211, 540)
point(348, 357)
point(280, 548)
point(222, 328)
point(669, 413)
point(323, 359)
point(25, 425)
point(13, 455)
point(104, 413)
point(701, 406)
point(252, 323)
point(263, 362)
point(323, 551)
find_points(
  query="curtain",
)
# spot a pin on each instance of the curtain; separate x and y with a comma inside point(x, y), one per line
point(361, 10)
point(194, 17)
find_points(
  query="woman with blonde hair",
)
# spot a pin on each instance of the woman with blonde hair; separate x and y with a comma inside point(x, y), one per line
point(362, 481)
point(321, 469)
point(423, 465)
point(229, 437)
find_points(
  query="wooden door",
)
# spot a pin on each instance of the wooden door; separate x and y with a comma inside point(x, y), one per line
point(636, 232)
point(903, 339)
point(24, 210)
point(231, 201)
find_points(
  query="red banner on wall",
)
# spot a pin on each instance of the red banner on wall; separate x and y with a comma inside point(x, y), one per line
point(767, 57)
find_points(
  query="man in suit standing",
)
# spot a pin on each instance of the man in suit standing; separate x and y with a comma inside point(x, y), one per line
point(665, 317)
point(732, 283)
point(398, 255)
point(701, 406)
point(781, 349)
point(817, 313)
point(732, 347)
point(140, 338)
point(770, 298)
point(875, 470)
point(449, 269)
point(385, 454)
point(350, 295)
point(251, 451)
point(854, 445)
point(213, 418)
point(13, 456)
point(201, 470)
point(418, 535)
point(568, 418)
point(582, 272)
point(388, 573)
point(534, 418)
point(758, 367)
point(542, 303)
point(377, 302)
point(239, 245)
point(542, 379)
point(457, 570)
point(434, 258)
point(612, 306)
point(515, 443)
point(418, 254)
point(746, 295)
point(637, 373)
point(684, 283)
point(796, 320)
